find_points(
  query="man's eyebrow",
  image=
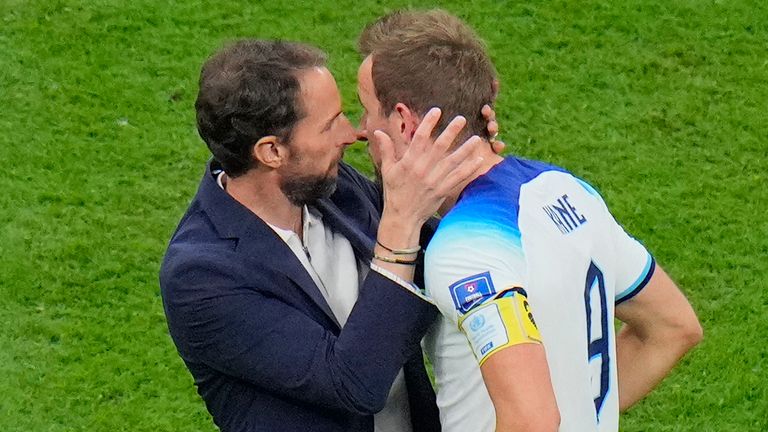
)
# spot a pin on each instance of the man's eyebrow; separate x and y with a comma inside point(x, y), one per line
point(330, 122)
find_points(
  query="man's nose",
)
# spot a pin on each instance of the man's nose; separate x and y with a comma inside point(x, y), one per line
point(361, 134)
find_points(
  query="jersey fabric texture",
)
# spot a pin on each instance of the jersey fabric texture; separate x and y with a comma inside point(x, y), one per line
point(535, 229)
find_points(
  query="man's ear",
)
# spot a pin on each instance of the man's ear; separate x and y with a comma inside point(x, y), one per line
point(269, 151)
point(408, 121)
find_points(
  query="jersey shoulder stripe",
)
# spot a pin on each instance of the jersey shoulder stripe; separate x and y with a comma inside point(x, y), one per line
point(489, 206)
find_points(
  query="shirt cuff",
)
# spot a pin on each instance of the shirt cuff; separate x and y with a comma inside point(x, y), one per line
point(409, 286)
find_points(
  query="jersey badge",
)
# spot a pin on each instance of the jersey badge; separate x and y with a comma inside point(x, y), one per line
point(471, 291)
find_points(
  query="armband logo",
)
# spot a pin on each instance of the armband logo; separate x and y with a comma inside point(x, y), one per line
point(471, 291)
point(477, 323)
point(487, 347)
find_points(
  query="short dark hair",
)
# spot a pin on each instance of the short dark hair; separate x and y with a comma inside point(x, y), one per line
point(250, 90)
point(430, 58)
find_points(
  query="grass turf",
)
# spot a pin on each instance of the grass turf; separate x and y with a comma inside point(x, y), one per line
point(661, 106)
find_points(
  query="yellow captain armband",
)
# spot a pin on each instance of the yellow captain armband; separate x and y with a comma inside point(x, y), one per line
point(502, 322)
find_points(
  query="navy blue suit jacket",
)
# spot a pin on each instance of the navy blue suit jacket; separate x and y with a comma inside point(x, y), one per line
point(261, 342)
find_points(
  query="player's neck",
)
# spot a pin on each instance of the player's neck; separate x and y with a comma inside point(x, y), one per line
point(490, 159)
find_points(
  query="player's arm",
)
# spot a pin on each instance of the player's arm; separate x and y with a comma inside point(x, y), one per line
point(513, 363)
point(517, 379)
point(660, 326)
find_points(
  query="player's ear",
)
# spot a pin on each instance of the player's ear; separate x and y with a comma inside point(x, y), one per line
point(408, 121)
point(269, 151)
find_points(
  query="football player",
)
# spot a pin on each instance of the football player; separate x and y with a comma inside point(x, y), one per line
point(528, 266)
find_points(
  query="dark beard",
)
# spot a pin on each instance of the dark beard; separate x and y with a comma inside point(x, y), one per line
point(301, 190)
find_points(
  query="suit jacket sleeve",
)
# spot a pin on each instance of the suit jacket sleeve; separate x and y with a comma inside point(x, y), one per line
point(235, 323)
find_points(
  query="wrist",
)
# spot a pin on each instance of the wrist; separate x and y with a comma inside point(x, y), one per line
point(398, 233)
point(407, 251)
point(411, 261)
point(403, 211)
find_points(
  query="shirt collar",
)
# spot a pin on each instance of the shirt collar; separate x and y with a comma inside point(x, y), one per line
point(310, 217)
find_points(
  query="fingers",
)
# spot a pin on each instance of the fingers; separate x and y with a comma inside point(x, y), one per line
point(448, 136)
point(465, 151)
point(490, 117)
point(386, 148)
point(423, 132)
point(422, 146)
point(463, 174)
point(424, 151)
point(493, 129)
point(460, 175)
point(497, 146)
point(487, 112)
point(459, 166)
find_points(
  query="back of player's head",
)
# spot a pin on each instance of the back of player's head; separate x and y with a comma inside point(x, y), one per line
point(430, 58)
point(249, 90)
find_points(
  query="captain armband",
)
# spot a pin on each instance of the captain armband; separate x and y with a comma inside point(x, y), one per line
point(502, 322)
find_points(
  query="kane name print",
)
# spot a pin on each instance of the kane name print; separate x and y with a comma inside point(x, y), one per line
point(564, 215)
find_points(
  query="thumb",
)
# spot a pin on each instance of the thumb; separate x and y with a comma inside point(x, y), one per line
point(386, 148)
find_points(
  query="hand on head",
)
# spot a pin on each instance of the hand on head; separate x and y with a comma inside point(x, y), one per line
point(493, 129)
point(428, 172)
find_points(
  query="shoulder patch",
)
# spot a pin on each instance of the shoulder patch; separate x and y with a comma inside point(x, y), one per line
point(471, 291)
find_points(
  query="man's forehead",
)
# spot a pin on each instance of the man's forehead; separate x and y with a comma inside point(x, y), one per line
point(317, 82)
point(319, 94)
point(311, 78)
point(364, 75)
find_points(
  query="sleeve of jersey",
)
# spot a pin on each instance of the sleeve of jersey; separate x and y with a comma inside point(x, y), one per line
point(635, 265)
point(476, 280)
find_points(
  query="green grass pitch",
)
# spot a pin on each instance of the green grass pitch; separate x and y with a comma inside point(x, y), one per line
point(662, 105)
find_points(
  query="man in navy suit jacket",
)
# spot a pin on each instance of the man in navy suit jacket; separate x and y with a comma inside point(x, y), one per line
point(249, 314)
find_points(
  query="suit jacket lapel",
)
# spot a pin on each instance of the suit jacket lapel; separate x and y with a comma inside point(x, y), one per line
point(255, 239)
point(362, 243)
point(352, 210)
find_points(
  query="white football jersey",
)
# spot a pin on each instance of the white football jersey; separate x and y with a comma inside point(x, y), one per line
point(530, 229)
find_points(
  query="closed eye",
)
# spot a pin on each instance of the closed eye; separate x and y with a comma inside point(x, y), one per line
point(329, 123)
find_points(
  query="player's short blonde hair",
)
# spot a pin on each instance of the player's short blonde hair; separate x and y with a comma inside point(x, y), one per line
point(430, 58)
